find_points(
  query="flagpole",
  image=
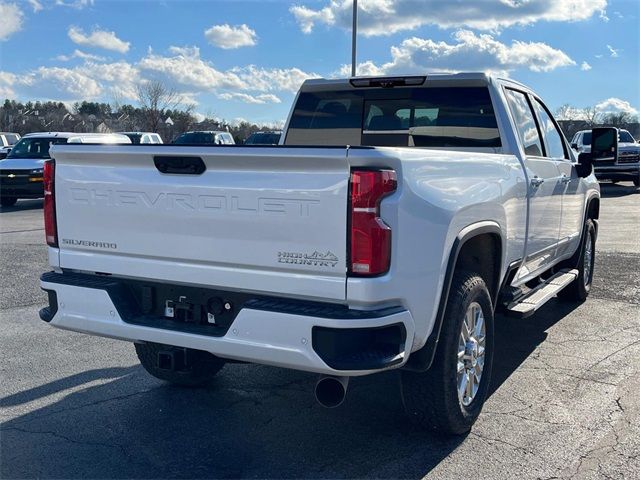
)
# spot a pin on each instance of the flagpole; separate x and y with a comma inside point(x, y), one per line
point(354, 34)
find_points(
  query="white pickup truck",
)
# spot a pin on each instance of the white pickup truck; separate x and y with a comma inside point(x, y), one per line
point(393, 221)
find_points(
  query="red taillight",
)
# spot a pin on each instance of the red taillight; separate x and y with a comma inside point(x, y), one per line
point(370, 236)
point(50, 228)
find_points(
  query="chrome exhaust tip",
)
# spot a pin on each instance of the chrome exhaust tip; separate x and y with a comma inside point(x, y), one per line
point(330, 391)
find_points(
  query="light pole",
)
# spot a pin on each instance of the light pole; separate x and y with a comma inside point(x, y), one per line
point(354, 35)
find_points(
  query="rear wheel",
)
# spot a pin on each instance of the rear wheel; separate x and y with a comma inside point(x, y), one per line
point(449, 396)
point(579, 289)
point(8, 201)
point(182, 366)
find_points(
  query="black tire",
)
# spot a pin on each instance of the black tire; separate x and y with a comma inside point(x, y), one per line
point(200, 370)
point(8, 201)
point(579, 289)
point(636, 181)
point(431, 398)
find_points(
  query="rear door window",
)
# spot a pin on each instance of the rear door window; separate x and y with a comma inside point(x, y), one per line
point(554, 144)
point(525, 123)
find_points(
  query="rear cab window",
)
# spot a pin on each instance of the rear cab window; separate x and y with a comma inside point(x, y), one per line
point(441, 117)
point(34, 147)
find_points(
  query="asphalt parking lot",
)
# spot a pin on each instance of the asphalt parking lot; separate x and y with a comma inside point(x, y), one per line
point(564, 400)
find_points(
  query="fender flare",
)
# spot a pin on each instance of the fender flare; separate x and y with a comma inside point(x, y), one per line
point(573, 260)
point(421, 359)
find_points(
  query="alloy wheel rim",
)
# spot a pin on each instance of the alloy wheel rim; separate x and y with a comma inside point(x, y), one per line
point(588, 260)
point(471, 354)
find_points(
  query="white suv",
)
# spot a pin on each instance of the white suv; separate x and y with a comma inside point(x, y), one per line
point(143, 137)
point(7, 140)
point(625, 168)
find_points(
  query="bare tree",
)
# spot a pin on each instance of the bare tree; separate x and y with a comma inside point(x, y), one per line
point(592, 115)
point(565, 112)
point(618, 119)
point(155, 99)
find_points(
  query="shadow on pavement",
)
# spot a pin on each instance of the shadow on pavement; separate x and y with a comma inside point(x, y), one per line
point(23, 205)
point(613, 190)
point(255, 421)
point(516, 339)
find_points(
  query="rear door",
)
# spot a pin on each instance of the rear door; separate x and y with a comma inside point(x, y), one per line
point(572, 198)
point(270, 220)
point(545, 190)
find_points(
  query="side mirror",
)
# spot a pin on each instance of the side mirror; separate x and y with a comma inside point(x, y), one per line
point(604, 143)
point(604, 146)
point(584, 167)
point(574, 145)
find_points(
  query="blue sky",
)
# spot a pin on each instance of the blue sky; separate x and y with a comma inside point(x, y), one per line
point(245, 59)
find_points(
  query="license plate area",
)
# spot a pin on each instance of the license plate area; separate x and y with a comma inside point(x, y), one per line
point(183, 308)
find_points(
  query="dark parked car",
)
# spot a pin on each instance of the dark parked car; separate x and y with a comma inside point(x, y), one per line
point(263, 138)
point(205, 137)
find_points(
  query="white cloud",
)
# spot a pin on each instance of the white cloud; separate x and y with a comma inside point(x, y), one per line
point(36, 5)
point(81, 55)
point(228, 37)
point(614, 52)
point(118, 79)
point(253, 99)
point(186, 68)
point(605, 107)
point(11, 21)
point(385, 17)
point(181, 68)
point(471, 52)
point(584, 66)
point(307, 18)
point(98, 38)
point(7, 82)
point(272, 79)
point(62, 84)
point(90, 81)
point(616, 105)
point(199, 117)
point(78, 4)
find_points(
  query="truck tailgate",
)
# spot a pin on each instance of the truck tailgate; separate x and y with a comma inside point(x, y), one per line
point(269, 220)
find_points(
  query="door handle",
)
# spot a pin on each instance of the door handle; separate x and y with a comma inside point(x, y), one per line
point(179, 165)
point(537, 181)
point(565, 179)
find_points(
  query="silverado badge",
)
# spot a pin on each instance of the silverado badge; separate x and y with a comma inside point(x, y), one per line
point(316, 258)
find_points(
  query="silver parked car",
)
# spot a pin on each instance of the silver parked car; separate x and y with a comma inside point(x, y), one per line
point(625, 168)
point(7, 140)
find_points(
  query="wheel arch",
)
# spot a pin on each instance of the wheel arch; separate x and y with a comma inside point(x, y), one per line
point(468, 243)
point(593, 208)
point(591, 212)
